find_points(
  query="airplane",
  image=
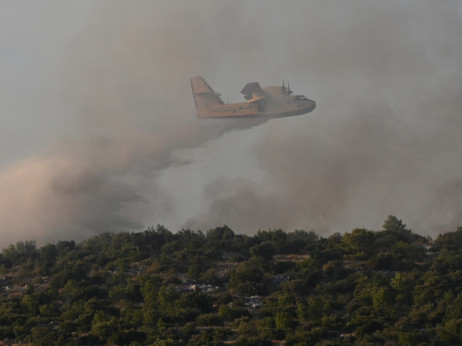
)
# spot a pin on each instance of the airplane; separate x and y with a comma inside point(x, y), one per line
point(269, 102)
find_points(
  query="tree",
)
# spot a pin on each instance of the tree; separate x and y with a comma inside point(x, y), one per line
point(359, 241)
point(383, 299)
point(44, 336)
point(398, 229)
point(449, 241)
point(249, 279)
point(22, 251)
point(47, 257)
point(103, 326)
point(284, 321)
point(264, 250)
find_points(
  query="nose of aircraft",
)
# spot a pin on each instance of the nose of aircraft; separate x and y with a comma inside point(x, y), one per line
point(310, 105)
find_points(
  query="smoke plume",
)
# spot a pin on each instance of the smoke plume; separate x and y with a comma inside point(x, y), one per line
point(384, 138)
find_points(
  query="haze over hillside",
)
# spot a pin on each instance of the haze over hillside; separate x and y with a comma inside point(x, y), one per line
point(99, 131)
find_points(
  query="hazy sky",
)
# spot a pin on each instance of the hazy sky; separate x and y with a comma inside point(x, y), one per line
point(99, 131)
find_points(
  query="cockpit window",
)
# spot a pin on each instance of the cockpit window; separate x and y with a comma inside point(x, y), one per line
point(300, 98)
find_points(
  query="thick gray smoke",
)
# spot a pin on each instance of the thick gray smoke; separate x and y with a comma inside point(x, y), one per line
point(383, 140)
point(125, 81)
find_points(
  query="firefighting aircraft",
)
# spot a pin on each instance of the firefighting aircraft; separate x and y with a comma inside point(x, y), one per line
point(270, 102)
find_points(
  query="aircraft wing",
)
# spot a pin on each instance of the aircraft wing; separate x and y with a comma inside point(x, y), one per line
point(253, 92)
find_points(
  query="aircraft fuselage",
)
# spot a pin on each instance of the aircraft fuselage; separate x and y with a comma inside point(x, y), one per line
point(270, 109)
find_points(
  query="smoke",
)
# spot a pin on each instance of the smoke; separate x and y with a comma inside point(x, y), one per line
point(125, 81)
point(383, 140)
point(349, 175)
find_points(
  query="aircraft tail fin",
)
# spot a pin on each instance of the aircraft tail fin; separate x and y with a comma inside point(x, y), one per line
point(204, 96)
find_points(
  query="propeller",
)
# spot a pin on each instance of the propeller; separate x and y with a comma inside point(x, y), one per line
point(288, 89)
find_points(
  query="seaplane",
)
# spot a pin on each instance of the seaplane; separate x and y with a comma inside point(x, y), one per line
point(267, 102)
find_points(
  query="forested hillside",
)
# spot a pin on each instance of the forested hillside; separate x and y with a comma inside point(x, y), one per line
point(389, 286)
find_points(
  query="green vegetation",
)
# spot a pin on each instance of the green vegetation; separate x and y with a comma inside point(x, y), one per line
point(156, 287)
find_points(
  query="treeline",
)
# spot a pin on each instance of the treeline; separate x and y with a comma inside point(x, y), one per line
point(156, 287)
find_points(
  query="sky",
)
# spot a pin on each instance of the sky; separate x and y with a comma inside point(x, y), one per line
point(98, 130)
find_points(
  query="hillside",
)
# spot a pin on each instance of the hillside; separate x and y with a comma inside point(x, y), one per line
point(389, 286)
